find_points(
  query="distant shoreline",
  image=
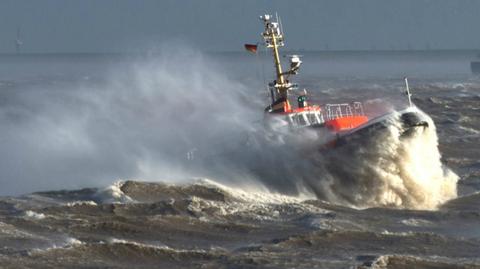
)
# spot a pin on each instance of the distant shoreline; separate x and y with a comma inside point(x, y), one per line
point(434, 51)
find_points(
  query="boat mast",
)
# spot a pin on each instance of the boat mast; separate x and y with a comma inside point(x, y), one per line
point(273, 38)
point(278, 66)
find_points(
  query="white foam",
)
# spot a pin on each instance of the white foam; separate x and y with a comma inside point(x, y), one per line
point(409, 233)
point(70, 241)
point(77, 203)
point(255, 193)
point(384, 260)
point(114, 194)
point(34, 215)
point(393, 171)
point(416, 222)
point(252, 203)
point(156, 246)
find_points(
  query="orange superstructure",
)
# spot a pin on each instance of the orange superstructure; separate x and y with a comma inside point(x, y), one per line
point(346, 123)
point(333, 117)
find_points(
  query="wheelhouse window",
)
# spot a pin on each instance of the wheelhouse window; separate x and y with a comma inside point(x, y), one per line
point(301, 119)
point(312, 118)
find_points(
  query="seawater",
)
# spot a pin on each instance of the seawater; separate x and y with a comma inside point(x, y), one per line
point(153, 160)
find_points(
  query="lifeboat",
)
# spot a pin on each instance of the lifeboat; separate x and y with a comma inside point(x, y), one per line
point(341, 122)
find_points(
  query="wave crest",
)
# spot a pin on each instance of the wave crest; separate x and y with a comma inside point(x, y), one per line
point(387, 169)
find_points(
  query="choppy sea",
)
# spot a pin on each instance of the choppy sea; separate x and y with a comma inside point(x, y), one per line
point(161, 160)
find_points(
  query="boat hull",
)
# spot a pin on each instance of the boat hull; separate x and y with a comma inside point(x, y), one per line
point(408, 120)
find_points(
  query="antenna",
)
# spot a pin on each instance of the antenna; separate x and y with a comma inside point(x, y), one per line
point(408, 92)
point(280, 24)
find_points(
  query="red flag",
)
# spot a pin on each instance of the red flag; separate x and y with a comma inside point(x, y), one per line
point(251, 47)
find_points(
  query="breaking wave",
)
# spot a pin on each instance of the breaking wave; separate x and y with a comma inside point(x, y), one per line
point(387, 169)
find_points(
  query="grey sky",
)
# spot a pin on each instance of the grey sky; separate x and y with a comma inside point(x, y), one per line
point(120, 25)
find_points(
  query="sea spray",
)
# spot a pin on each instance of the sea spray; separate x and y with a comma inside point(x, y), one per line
point(138, 121)
point(388, 168)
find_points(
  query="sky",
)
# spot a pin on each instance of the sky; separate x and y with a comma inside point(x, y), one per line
point(93, 26)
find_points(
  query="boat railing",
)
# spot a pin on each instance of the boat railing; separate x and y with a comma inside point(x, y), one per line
point(334, 111)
